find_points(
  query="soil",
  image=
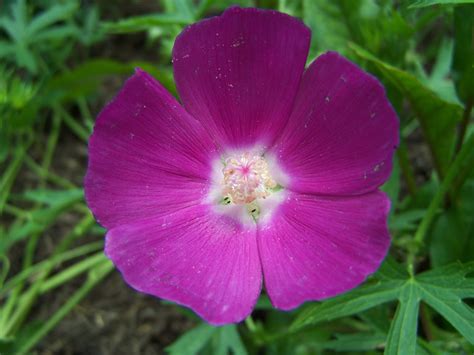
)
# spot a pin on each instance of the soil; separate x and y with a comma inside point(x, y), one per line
point(113, 320)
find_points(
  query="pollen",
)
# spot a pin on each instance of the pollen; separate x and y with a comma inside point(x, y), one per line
point(246, 178)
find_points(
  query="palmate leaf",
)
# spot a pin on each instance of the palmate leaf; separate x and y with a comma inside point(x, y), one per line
point(29, 36)
point(402, 334)
point(443, 289)
point(192, 341)
point(223, 340)
point(389, 280)
point(56, 13)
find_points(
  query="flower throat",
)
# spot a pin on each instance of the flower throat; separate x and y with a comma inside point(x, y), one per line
point(246, 179)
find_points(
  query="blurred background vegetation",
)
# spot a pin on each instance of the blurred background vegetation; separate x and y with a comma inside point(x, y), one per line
point(61, 61)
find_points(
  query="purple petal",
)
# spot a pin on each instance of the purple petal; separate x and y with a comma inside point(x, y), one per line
point(318, 247)
point(342, 132)
point(207, 262)
point(147, 156)
point(238, 73)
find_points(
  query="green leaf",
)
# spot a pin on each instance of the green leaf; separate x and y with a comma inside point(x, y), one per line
point(378, 27)
point(145, 23)
point(57, 203)
point(406, 221)
point(355, 342)
point(228, 341)
point(358, 300)
point(192, 341)
point(264, 303)
point(463, 55)
point(25, 57)
point(10, 346)
point(440, 80)
point(425, 3)
point(329, 30)
point(57, 33)
point(87, 77)
point(5, 266)
point(402, 334)
point(53, 197)
point(443, 289)
point(452, 237)
point(438, 118)
point(56, 13)
point(392, 186)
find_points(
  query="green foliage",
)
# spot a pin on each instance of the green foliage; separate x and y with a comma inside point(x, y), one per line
point(378, 28)
point(27, 37)
point(463, 59)
point(218, 340)
point(424, 3)
point(62, 61)
point(56, 203)
point(443, 289)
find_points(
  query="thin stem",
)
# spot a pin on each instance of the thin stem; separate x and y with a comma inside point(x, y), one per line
point(93, 279)
point(72, 271)
point(464, 124)
point(15, 211)
point(55, 179)
point(45, 164)
point(11, 172)
point(458, 165)
point(28, 273)
point(74, 126)
point(14, 321)
point(50, 145)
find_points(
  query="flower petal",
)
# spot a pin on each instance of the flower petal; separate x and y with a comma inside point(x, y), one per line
point(194, 257)
point(318, 247)
point(147, 156)
point(342, 132)
point(238, 73)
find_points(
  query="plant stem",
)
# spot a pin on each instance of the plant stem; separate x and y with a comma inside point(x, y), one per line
point(464, 124)
point(28, 273)
point(74, 126)
point(73, 271)
point(16, 319)
point(45, 164)
point(458, 165)
point(55, 179)
point(11, 172)
point(93, 279)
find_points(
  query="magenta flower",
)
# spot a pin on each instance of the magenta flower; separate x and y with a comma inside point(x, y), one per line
point(267, 174)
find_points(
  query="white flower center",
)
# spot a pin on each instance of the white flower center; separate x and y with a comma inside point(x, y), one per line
point(247, 185)
point(246, 178)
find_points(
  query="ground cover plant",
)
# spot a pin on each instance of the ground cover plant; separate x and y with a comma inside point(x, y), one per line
point(61, 62)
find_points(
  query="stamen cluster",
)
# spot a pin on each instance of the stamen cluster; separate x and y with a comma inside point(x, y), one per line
point(246, 179)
